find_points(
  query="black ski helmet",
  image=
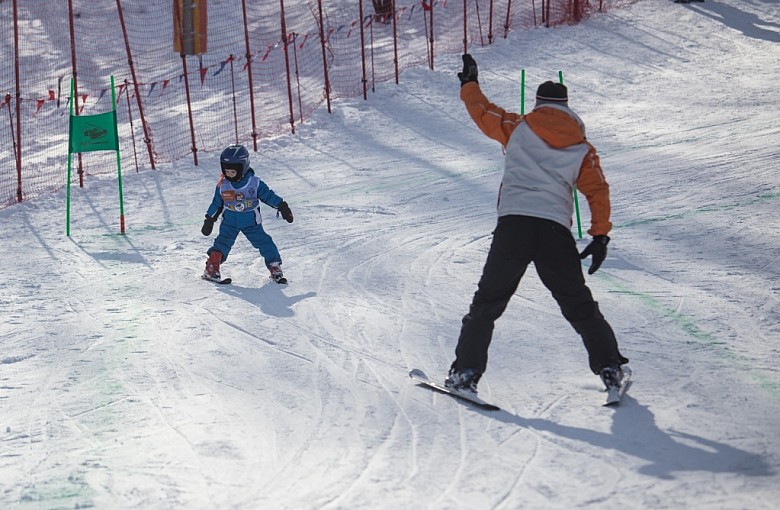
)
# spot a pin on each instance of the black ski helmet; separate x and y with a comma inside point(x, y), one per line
point(235, 157)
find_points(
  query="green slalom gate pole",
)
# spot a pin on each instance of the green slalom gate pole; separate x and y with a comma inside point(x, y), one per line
point(88, 133)
point(576, 200)
point(118, 162)
point(70, 137)
point(522, 92)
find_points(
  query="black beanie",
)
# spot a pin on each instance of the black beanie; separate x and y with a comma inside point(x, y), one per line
point(551, 92)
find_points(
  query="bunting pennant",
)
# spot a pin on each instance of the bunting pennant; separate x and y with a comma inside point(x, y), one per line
point(221, 67)
point(291, 38)
point(351, 26)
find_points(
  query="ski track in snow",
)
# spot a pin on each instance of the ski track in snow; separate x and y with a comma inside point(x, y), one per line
point(127, 382)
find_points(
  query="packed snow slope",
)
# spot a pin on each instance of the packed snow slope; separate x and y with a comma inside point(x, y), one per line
point(128, 382)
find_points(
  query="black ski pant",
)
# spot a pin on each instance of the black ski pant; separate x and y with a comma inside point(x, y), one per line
point(518, 241)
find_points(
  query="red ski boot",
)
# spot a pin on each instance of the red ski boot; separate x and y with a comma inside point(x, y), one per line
point(212, 267)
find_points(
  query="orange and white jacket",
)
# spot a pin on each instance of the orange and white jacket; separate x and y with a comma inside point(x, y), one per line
point(546, 155)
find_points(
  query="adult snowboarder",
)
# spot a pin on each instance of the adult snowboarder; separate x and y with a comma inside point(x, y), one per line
point(239, 193)
point(546, 155)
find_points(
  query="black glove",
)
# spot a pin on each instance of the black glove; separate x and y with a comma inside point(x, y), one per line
point(208, 225)
point(285, 211)
point(470, 71)
point(597, 248)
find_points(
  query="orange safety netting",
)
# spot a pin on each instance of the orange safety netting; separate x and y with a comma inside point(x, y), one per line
point(297, 55)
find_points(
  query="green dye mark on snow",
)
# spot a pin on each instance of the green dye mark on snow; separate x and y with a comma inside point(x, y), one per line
point(758, 199)
point(71, 492)
point(688, 324)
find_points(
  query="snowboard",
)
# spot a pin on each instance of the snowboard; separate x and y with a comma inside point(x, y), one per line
point(422, 379)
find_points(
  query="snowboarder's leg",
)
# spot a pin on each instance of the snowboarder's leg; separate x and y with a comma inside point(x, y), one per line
point(559, 268)
point(509, 256)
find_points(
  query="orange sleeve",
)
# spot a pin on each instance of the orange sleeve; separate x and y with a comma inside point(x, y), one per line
point(593, 185)
point(494, 121)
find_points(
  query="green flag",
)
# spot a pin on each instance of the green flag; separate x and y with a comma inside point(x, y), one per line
point(89, 133)
point(93, 133)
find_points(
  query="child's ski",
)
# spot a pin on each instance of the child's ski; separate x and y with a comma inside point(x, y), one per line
point(224, 281)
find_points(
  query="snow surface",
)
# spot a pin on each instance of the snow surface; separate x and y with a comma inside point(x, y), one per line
point(127, 382)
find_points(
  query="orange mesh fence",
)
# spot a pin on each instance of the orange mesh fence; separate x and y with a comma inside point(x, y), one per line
point(267, 67)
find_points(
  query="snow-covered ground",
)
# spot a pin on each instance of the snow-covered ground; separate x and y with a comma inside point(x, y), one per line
point(127, 382)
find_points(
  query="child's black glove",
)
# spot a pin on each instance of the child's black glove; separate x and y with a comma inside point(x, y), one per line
point(597, 248)
point(208, 225)
point(470, 70)
point(285, 211)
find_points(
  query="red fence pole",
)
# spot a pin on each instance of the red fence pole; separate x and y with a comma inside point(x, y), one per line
point(362, 49)
point(74, 69)
point(7, 102)
point(249, 75)
point(147, 136)
point(130, 117)
point(324, 56)
point(297, 74)
point(231, 58)
point(490, 23)
point(395, 43)
point(465, 27)
point(431, 34)
point(479, 23)
point(285, 43)
point(19, 196)
point(177, 20)
point(547, 15)
point(506, 22)
point(373, 68)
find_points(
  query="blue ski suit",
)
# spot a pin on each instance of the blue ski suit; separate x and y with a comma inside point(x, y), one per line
point(240, 201)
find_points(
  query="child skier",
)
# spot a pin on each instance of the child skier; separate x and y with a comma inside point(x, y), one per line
point(239, 192)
